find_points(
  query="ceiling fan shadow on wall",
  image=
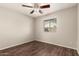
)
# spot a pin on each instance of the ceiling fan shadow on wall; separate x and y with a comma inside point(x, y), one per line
point(37, 6)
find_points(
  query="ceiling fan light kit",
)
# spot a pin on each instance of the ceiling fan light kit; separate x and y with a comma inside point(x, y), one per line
point(36, 6)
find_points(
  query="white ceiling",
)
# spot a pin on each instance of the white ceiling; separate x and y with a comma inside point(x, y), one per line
point(53, 8)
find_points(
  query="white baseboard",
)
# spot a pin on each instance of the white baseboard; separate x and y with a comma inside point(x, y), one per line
point(58, 44)
point(15, 45)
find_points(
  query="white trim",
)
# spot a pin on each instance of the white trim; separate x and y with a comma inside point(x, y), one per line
point(15, 45)
point(58, 44)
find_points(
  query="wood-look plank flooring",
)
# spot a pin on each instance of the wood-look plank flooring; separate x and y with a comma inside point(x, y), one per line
point(36, 48)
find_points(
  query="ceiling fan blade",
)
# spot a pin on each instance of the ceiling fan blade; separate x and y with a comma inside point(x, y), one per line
point(45, 6)
point(40, 11)
point(27, 6)
point(32, 12)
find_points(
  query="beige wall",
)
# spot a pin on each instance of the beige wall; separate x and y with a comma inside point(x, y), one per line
point(66, 34)
point(15, 28)
point(78, 29)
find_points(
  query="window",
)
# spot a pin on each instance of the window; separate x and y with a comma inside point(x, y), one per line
point(50, 25)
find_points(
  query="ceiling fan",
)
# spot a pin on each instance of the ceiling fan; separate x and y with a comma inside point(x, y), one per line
point(37, 6)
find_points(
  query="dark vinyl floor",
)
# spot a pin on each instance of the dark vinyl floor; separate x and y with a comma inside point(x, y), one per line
point(36, 48)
